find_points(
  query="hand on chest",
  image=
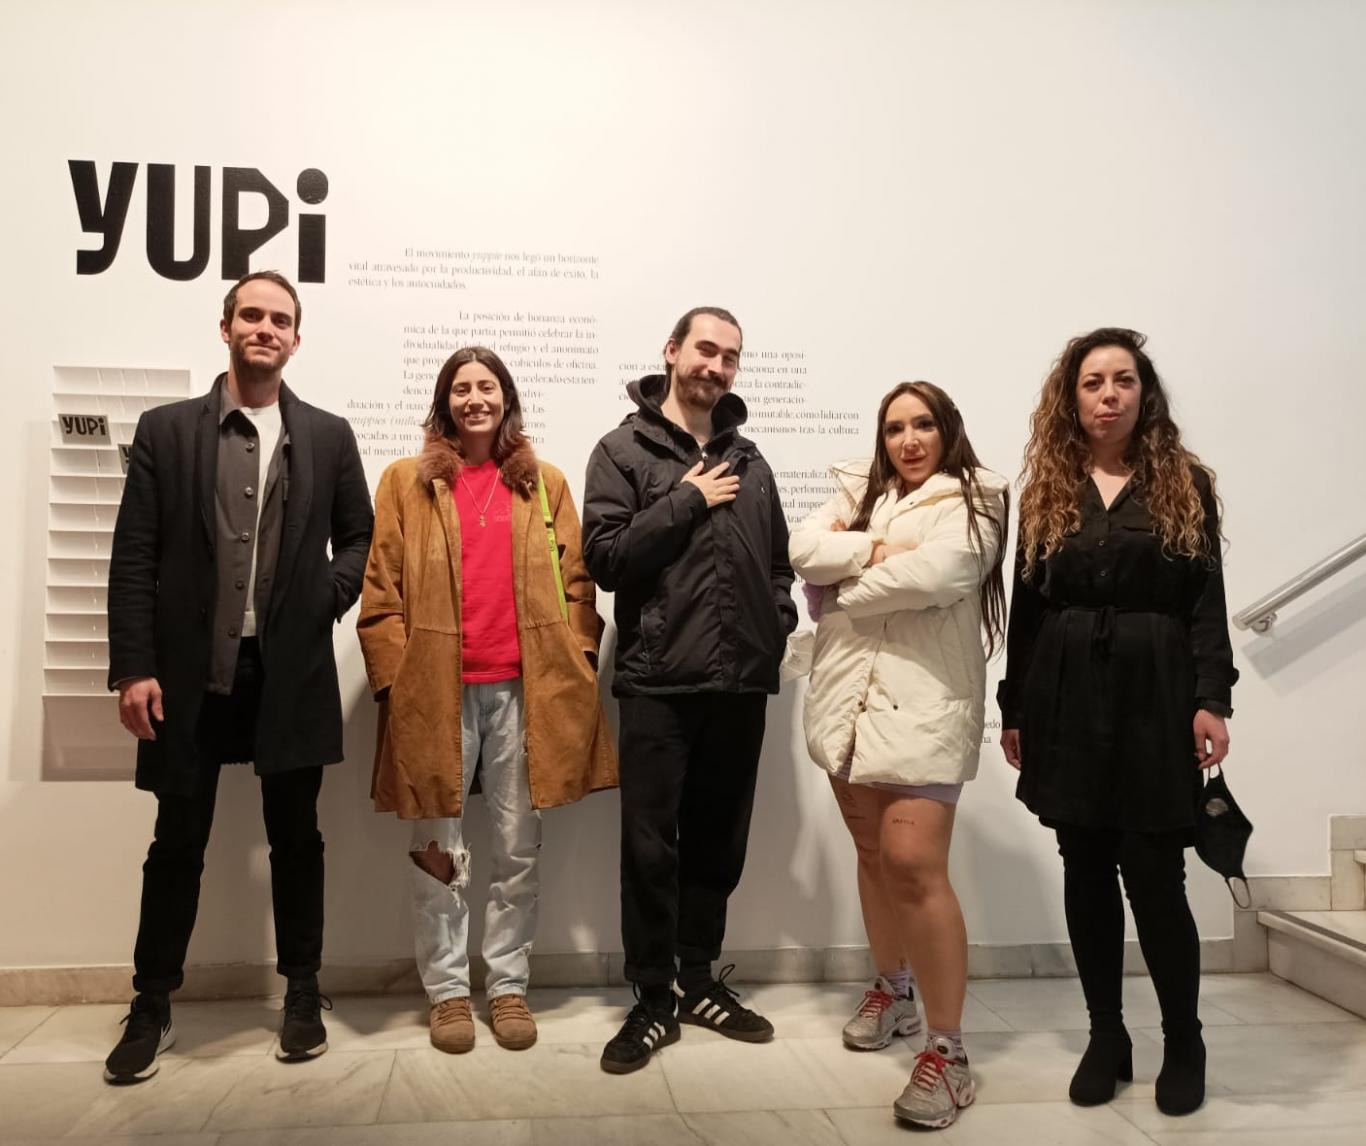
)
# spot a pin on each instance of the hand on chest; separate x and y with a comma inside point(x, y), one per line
point(662, 479)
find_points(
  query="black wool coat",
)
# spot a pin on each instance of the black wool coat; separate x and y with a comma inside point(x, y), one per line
point(162, 583)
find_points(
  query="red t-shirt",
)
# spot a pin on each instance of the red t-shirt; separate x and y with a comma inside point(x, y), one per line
point(488, 610)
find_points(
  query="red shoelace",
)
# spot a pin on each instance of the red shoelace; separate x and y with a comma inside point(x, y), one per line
point(929, 1069)
point(874, 1003)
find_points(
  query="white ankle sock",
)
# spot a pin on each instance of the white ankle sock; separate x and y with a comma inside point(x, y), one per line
point(901, 983)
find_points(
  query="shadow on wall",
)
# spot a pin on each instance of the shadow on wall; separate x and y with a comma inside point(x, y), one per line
point(367, 892)
point(799, 887)
point(1312, 640)
point(23, 763)
point(995, 861)
point(787, 893)
point(366, 907)
point(368, 915)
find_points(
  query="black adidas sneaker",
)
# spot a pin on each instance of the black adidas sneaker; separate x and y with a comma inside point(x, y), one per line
point(716, 1006)
point(643, 1033)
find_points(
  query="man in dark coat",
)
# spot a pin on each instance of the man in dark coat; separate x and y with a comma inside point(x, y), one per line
point(222, 597)
point(682, 521)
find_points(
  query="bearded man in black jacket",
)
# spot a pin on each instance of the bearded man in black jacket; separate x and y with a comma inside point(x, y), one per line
point(222, 598)
point(682, 521)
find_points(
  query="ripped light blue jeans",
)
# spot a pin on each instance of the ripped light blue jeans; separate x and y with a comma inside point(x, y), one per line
point(492, 728)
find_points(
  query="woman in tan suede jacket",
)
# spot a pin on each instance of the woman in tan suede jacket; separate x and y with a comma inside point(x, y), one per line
point(475, 657)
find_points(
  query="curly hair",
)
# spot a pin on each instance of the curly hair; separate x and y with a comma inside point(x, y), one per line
point(1057, 460)
point(960, 461)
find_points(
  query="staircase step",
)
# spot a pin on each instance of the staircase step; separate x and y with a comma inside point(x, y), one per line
point(1321, 951)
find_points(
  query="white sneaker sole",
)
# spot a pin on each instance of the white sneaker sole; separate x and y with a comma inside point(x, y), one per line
point(166, 1043)
point(300, 1056)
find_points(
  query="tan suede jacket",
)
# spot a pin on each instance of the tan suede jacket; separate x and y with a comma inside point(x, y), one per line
point(409, 631)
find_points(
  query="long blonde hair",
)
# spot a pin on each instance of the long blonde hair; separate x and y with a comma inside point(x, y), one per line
point(1057, 460)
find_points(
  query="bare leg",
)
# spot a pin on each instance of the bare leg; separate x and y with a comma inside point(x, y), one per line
point(914, 851)
point(861, 807)
point(436, 863)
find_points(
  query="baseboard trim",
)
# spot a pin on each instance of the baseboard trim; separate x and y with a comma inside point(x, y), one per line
point(111, 983)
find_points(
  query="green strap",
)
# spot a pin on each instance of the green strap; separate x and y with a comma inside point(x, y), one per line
point(554, 546)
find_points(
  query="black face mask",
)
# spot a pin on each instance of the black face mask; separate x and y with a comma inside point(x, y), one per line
point(1221, 834)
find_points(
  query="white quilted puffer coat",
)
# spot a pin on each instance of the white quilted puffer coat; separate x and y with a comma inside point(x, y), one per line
point(898, 671)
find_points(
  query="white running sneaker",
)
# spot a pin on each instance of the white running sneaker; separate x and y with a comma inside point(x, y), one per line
point(939, 1088)
point(880, 1017)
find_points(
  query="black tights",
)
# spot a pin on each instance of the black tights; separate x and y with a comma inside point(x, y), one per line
point(1154, 869)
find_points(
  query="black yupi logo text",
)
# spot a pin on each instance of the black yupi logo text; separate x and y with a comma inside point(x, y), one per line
point(106, 214)
point(84, 429)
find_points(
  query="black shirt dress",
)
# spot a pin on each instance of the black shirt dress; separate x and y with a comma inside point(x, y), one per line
point(1111, 648)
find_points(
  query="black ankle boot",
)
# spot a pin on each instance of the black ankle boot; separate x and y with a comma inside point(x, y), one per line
point(1181, 1081)
point(1109, 1058)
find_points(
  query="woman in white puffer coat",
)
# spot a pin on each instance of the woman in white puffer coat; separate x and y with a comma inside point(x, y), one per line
point(907, 561)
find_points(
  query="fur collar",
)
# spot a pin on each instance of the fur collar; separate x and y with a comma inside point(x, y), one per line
point(441, 460)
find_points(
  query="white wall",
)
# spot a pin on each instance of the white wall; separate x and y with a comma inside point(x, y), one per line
point(894, 190)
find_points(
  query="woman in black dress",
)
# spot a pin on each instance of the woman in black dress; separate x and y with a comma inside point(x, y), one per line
point(1118, 681)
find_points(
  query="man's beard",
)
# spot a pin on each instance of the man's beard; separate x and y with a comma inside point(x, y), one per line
point(253, 370)
point(700, 394)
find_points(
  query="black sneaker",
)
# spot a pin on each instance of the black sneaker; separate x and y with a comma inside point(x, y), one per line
point(147, 1032)
point(643, 1033)
point(302, 1034)
point(716, 1006)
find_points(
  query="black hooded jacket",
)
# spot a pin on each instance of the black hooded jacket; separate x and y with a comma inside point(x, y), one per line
point(703, 596)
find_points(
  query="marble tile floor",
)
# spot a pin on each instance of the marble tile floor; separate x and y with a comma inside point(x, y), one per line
point(1285, 1067)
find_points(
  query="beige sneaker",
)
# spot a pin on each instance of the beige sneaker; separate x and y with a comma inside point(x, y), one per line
point(453, 1026)
point(513, 1026)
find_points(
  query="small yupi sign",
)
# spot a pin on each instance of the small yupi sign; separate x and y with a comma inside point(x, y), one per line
point(84, 429)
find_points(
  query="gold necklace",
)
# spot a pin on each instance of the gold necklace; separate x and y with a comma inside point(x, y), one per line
point(492, 487)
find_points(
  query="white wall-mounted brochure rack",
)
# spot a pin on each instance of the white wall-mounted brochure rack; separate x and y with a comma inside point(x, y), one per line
point(95, 411)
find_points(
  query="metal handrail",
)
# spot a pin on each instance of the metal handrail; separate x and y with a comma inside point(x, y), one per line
point(1261, 616)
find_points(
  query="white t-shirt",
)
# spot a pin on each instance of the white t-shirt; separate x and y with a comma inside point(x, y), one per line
point(268, 425)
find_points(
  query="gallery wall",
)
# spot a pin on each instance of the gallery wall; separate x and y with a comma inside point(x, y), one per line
point(879, 191)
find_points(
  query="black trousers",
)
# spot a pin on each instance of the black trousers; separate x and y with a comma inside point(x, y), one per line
point(688, 767)
point(175, 860)
point(1153, 868)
